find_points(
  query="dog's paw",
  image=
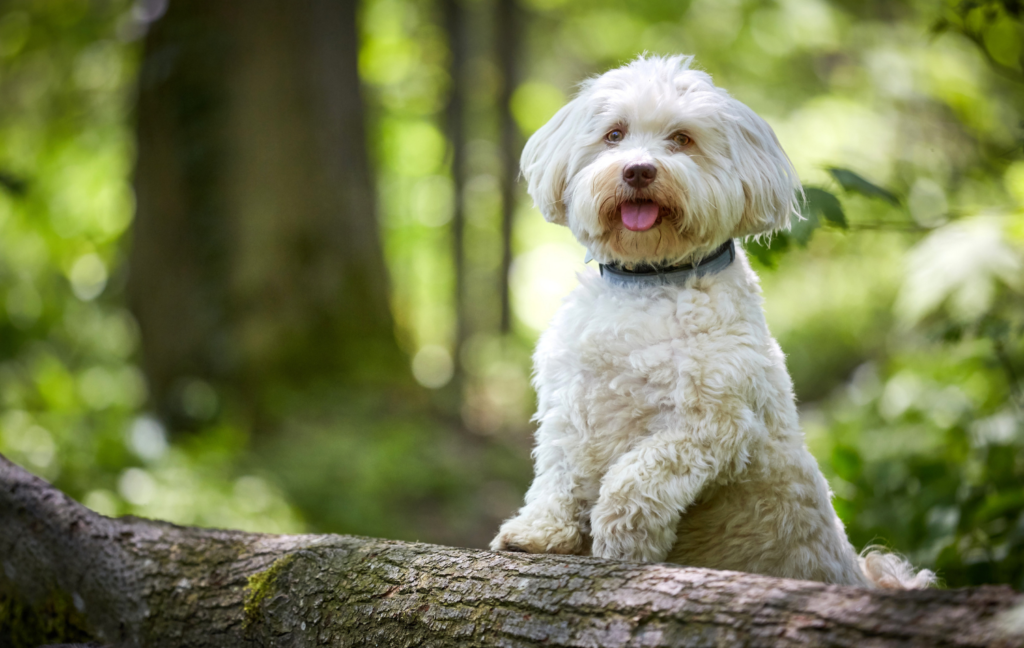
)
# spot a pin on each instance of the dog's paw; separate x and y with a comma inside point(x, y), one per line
point(538, 536)
point(624, 534)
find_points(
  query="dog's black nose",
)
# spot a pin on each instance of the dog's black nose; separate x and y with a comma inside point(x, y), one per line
point(639, 175)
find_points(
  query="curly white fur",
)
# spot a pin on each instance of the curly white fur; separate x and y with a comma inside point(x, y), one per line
point(667, 424)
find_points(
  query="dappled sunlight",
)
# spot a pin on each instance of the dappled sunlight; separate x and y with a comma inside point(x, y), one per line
point(832, 128)
point(961, 264)
point(541, 279)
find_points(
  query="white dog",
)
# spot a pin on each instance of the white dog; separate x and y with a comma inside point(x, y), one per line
point(667, 425)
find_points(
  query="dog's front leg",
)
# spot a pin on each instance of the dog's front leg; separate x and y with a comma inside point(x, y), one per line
point(549, 521)
point(647, 489)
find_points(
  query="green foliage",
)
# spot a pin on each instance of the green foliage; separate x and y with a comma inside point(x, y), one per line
point(925, 456)
point(71, 390)
point(815, 205)
point(855, 183)
point(13, 184)
point(818, 207)
point(67, 383)
point(821, 203)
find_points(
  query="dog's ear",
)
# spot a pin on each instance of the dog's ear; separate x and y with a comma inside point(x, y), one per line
point(771, 187)
point(546, 158)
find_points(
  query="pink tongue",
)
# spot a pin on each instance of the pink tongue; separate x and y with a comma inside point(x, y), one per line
point(639, 216)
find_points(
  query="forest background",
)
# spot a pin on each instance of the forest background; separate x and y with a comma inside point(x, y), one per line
point(265, 265)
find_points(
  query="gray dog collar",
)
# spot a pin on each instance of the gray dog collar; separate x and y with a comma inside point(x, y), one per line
point(674, 275)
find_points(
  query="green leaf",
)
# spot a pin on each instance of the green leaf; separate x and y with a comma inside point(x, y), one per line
point(767, 252)
point(817, 204)
point(13, 184)
point(999, 504)
point(803, 229)
point(823, 203)
point(939, 26)
point(847, 463)
point(856, 183)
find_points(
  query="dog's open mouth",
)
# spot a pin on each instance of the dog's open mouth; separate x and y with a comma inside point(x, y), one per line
point(639, 216)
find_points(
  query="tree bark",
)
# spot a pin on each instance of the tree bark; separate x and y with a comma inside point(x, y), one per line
point(454, 18)
point(69, 574)
point(508, 39)
point(256, 257)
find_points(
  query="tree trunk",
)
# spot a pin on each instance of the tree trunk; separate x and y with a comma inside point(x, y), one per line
point(69, 574)
point(256, 256)
point(507, 39)
point(454, 18)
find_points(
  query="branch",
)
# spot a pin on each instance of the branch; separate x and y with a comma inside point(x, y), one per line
point(137, 582)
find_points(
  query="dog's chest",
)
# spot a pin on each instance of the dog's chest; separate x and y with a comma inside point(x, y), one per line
point(620, 368)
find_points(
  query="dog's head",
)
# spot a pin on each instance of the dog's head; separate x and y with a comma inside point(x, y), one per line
point(652, 164)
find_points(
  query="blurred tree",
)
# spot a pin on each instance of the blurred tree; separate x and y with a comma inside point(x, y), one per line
point(72, 397)
point(454, 19)
point(256, 258)
point(508, 44)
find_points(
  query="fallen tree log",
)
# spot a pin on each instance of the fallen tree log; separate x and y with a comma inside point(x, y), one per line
point(69, 574)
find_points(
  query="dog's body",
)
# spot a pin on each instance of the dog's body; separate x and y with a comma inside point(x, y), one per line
point(667, 423)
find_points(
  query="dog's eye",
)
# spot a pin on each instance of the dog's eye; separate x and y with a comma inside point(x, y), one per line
point(614, 136)
point(681, 139)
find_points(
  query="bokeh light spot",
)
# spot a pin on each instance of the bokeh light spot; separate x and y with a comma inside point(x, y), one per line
point(102, 501)
point(88, 277)
point(432, 366)
point(534, 103)
point(147, 438)
point(136, 486)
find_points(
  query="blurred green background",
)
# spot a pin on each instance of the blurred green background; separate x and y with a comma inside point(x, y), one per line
point(265, 265)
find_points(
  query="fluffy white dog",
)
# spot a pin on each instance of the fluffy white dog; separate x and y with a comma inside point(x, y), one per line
point(667, 425)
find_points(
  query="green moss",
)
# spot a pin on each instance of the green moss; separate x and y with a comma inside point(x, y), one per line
point(54, 620)
point(260, 586)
